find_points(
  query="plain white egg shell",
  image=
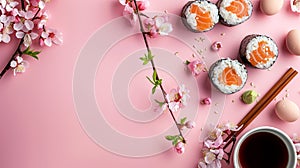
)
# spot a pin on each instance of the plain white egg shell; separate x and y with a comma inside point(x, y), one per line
point(292, 41)
point(287, 110)
point(271, 7)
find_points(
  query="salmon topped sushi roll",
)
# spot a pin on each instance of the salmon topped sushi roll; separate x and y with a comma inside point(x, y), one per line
point(228, 76)
point(200, 15)
point(234, 12)
point(259, 51)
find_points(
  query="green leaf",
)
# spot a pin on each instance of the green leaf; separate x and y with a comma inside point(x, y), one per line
point(154, 89)
point(31, 53)
point(159, 82)
point(183, 120)
point(147, 58)
point(159, 103)
point(154, 76)
point(169, 137)
point(150, 80)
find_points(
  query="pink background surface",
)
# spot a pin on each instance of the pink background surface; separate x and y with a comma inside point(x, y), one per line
point(38, 122)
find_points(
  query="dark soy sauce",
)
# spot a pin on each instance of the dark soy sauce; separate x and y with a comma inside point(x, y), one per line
point(263, 150)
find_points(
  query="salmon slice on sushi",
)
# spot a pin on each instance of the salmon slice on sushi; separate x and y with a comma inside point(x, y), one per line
point(200, 15)
point(234, 12)
point(228, 76)
point(259, 51)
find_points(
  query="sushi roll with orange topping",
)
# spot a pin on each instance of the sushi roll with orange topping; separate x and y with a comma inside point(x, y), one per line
point(259, 51)
point(200, 15)
point(234, 12)
point(228, 76)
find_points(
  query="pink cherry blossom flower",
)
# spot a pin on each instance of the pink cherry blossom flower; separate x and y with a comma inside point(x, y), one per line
point(162, 25)
point(210, 160)
point(129, 11)
point(177, 98)
point(142, 4)
point(18, 65)
point(23, 21)
point(158, 25)
point(196, 67)
point(28, 37)
point(37, 3)
point(43, 20)
point(5, 32)
point(180, 147)
point(51, 36)
point(129, 14)
point(9, 5)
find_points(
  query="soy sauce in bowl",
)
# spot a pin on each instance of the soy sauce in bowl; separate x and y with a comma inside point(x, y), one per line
point(263, 149)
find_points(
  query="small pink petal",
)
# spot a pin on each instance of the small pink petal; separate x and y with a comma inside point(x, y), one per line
point(216, 46)
point(29, 24)
point(5, 38)
point(20, 34)
point(34, 35)
point(18, 26)
point(48, 42)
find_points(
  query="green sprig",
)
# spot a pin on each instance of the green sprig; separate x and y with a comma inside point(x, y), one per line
point(31, 53)
point(155, 81)
point(147, 58)
point(174, 138)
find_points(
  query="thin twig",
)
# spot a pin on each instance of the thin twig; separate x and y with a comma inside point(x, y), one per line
point(154, 70)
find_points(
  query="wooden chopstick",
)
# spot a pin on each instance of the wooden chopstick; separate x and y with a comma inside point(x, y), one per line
point(267, 98)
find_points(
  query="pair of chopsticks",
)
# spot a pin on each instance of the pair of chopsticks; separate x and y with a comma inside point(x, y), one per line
point(258, 108)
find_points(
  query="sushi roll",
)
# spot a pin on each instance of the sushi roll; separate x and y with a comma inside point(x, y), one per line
point(259, 51)
point(234, 12)
point(200, 15)
point(228, 76)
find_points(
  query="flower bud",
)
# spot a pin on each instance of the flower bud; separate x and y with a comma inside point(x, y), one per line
point(206, 101)
point(190, 124)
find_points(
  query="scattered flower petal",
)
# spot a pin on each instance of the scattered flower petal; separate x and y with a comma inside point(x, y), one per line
point(206, 101)
point(216, 46)
point(196, 67)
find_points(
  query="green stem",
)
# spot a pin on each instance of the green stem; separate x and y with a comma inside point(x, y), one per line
point(154, 70)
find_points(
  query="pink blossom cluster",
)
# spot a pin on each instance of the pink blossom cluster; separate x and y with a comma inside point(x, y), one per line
point(177, 98)
point(296, 140)
point(18, 65)
point(158, 25)
point(212, 151)
point(129, 11)
point(26, 20)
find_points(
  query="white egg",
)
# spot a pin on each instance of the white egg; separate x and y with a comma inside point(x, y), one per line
point(292, 41)
point(271, 7)
point(287, 110)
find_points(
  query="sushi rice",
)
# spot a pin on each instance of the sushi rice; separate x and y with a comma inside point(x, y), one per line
point(193, 20)
point(234, 17)
point(216, 72)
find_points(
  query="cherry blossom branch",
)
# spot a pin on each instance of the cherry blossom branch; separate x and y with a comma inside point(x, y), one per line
point(26, 20)
point(18, 51)
point(155, 71)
